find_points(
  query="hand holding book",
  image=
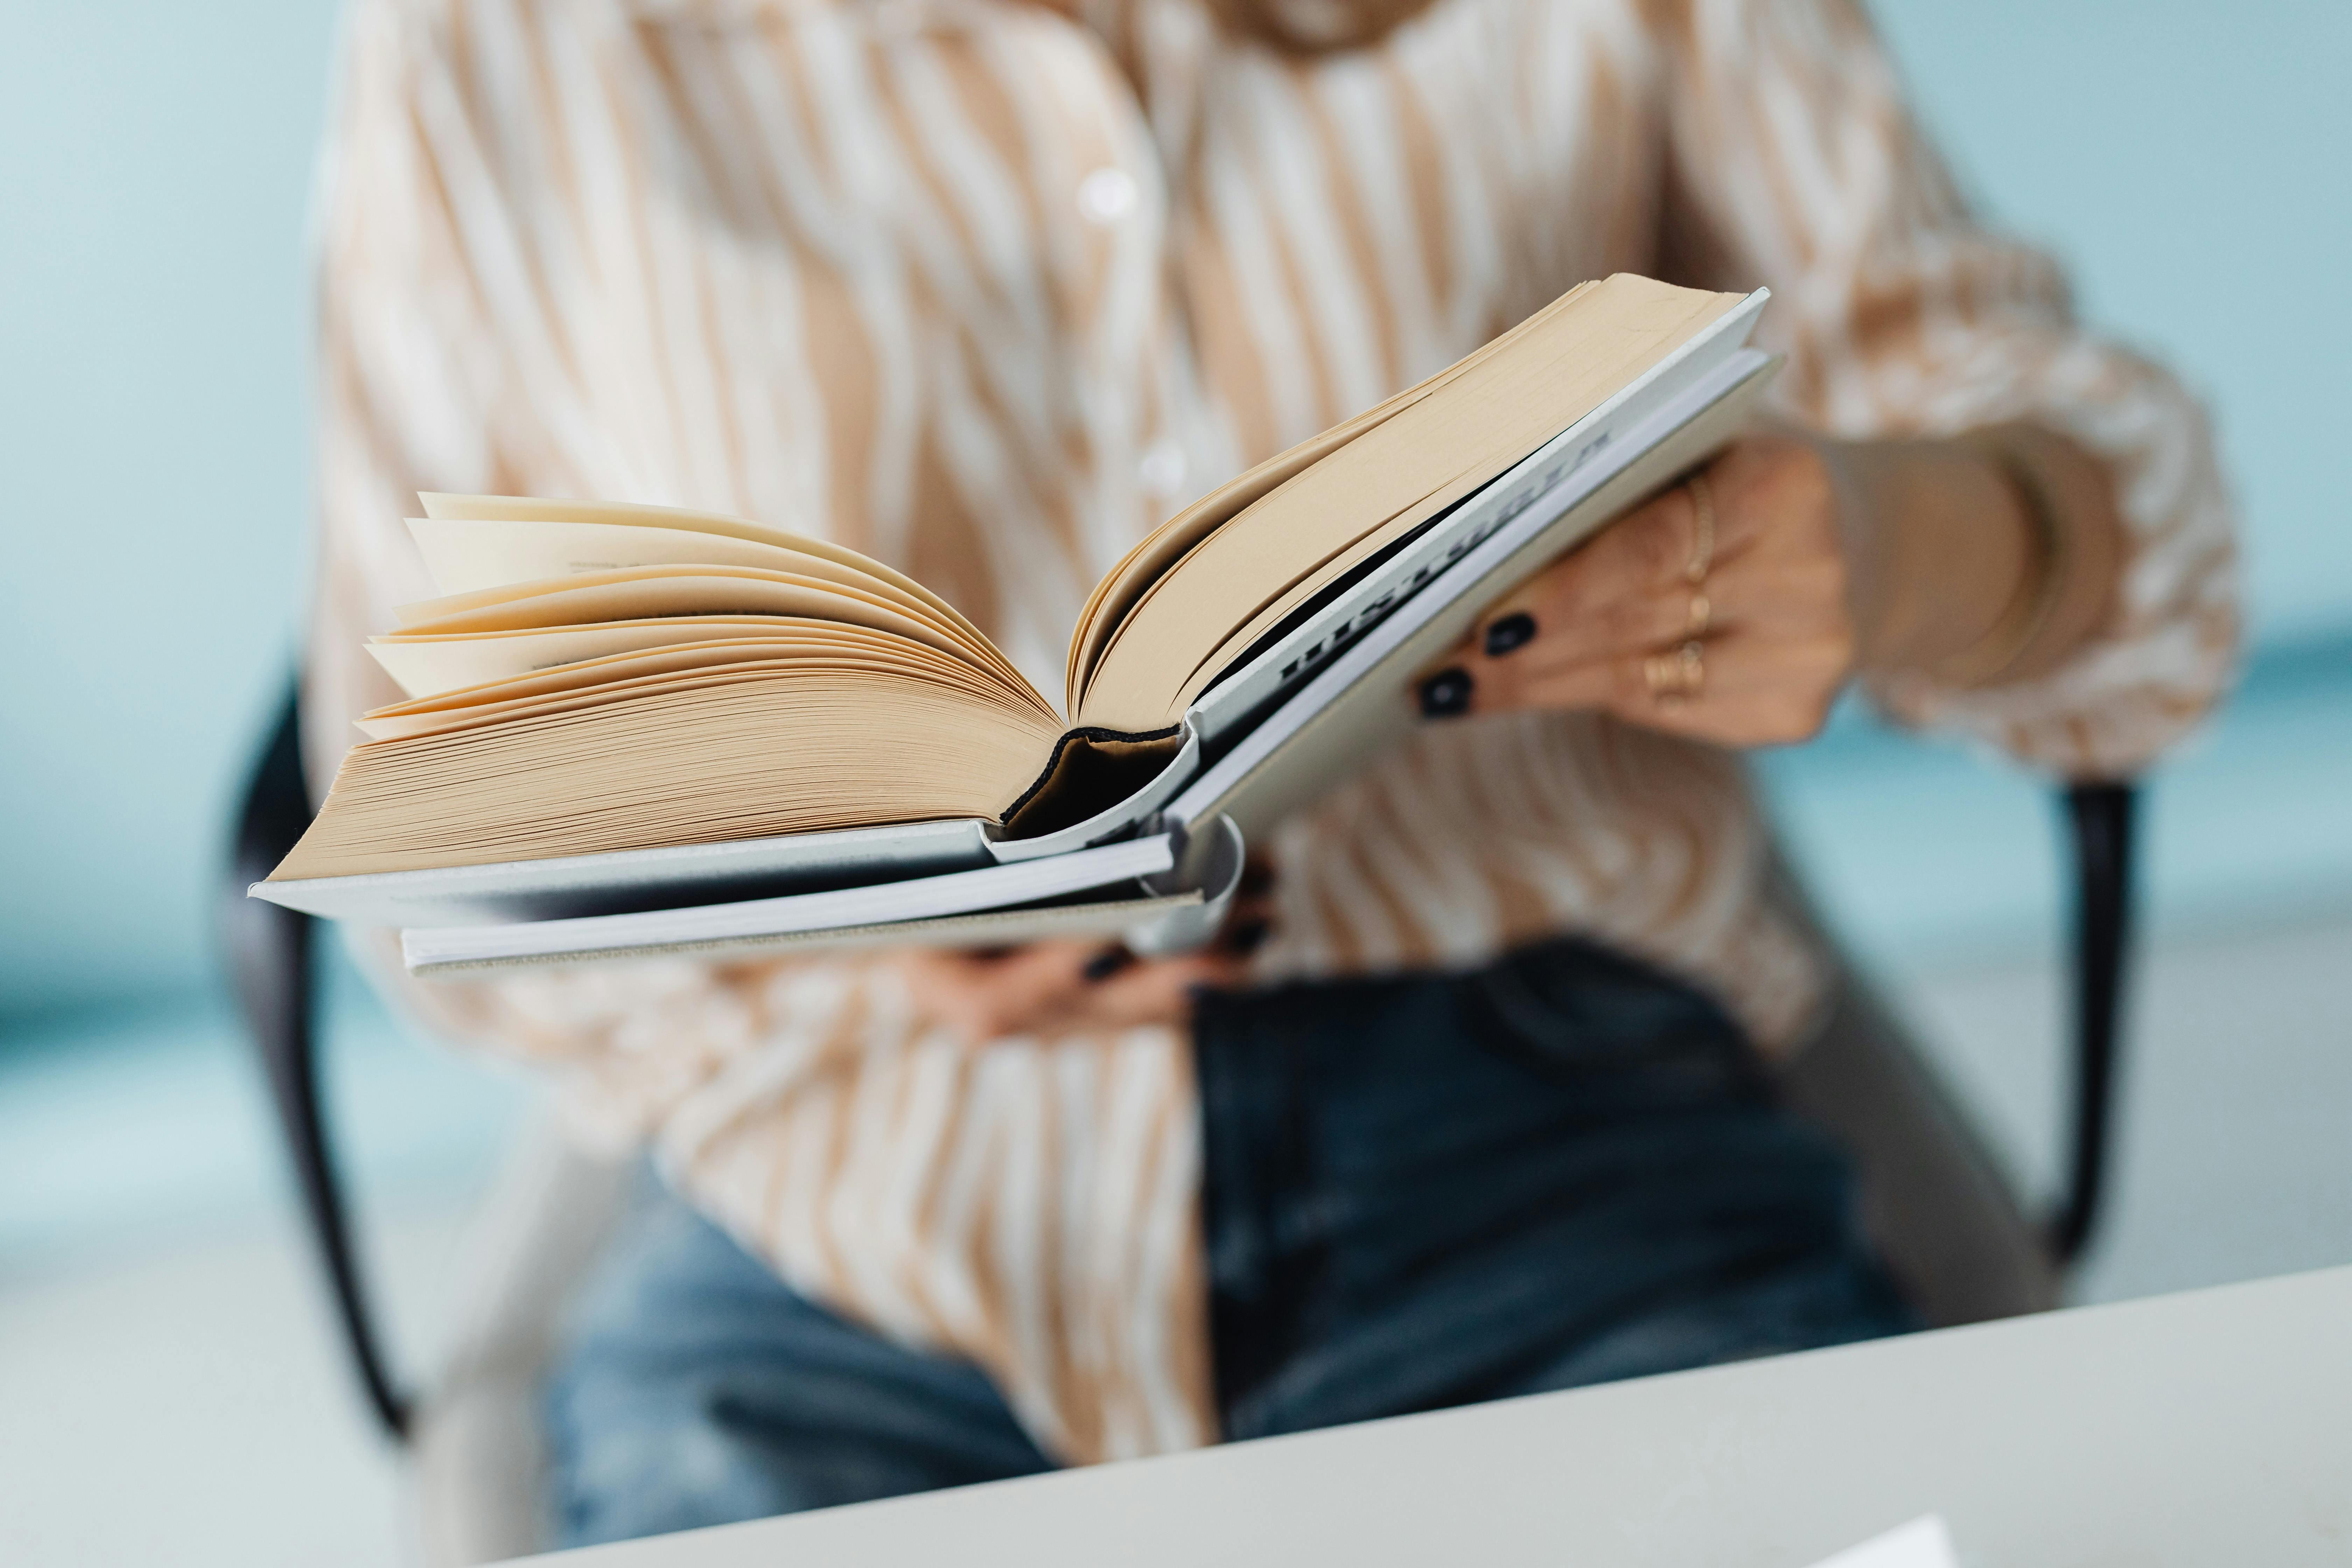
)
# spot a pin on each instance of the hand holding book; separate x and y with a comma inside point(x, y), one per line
point(1719, 610)
point(1066, 987)
point(1734, 608)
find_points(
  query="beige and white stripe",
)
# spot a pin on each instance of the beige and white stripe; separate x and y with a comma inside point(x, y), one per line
point(987, 288)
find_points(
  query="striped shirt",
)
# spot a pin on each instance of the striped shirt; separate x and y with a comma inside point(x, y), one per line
point(987, 288)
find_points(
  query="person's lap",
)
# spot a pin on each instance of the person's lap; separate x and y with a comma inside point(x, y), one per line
point(1417, 1193)
point(696, 1388)
point(1564, 1169)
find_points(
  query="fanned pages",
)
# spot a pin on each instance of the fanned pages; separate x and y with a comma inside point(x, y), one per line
point(601, 679)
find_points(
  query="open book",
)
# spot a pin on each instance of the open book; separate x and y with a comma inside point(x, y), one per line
point(634, 728)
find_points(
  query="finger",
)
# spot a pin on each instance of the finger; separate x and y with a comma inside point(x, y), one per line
point(985, 998)
point(1569, 669)
point(1658, 544)
point(1258, 876)
point(931, 974)
point(1159, 990)
point(1565, 595)
point(1647, 547)
point(1592, 683)
point(1630, 587)
point(1795, 597)
point(1754, 691)
point(1047, 978)
point(1661, 543)
point(1465, 680)
point(1054, 987)
point(1105, 962)
point(1631, 622)
point(1245, 931)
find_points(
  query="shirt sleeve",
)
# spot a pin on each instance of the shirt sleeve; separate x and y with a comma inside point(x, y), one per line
point(1795, 162)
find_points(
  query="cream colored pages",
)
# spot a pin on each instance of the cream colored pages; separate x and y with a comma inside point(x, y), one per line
point(1115, 595)
point(440, 508)
point(1265, 561)
point(664, 659)
point(428, 666)
point(699, 766)
point(469, 557)
point(756, 661)
point(648, 592)
point(1136, 573)
point(783, 667)
point(694, 589)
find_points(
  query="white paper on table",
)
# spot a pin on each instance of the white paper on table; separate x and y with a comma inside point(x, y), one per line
point(1922, 1544)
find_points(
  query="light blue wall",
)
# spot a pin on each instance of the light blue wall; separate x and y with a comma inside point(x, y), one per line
point(153, 175)
point(2186, 158)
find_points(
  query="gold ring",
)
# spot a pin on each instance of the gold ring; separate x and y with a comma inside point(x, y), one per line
point(1676, 676)
point(1702, 557)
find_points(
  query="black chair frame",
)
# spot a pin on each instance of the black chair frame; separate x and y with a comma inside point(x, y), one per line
point(269, 952)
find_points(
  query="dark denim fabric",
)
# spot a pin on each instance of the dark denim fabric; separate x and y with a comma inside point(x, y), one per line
point(1417, 1192)
point(1560, 1169)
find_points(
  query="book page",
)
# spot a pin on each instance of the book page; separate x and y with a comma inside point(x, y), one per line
point(644, 593)
point(441, 507)
point(429, 666)
point(801, 662)
point(468, 557)
point(698, 531)
point(668, 658)
point(609, 678)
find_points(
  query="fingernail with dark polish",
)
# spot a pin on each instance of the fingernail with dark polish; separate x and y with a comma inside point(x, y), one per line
point(1246, 937)
point(1447, 694)
point(1513, 631)
point(1106, 963)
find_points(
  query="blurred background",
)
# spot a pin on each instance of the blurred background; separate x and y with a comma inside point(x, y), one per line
point(168, 1388)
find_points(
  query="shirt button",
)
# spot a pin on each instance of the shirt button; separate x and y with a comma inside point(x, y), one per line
point(1107, 195)
point(1161, 470)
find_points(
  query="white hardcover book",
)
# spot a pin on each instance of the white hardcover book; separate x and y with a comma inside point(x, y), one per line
point(1319, 696)
point(1134, 889)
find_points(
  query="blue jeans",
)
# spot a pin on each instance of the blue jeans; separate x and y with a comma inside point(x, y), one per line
point(1419, 1192)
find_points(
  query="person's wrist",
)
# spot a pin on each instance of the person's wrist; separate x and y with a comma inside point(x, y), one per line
point(2034, 597)
point(2087, 545)
point(1860, 518)
point(1944, 549)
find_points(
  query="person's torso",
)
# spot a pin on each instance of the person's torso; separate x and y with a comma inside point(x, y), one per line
point(989, 291)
